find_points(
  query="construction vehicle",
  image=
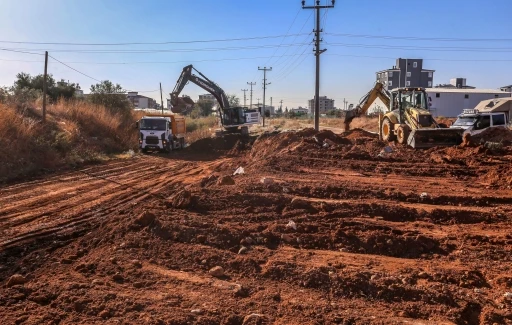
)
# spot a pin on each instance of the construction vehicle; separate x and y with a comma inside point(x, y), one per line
point(366, 102)
point(161, 132)
point(231, 118)
point(487, 114)
point(408, 119)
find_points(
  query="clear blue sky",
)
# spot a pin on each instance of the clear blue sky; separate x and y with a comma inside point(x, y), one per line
point(348, 70)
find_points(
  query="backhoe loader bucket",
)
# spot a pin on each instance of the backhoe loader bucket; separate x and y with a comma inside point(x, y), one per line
point(185, 105)
point(427, 138)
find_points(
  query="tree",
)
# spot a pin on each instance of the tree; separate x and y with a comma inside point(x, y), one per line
point(25, 82)
point(111, 96)
point(233, 101)
point(205, 107)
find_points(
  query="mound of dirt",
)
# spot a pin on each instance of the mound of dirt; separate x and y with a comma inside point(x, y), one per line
point(358, 134)
point(497, 134)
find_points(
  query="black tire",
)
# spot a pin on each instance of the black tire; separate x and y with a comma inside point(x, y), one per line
point(144, 150)
point(387, 130)
point(182, 143)
point(402, 133)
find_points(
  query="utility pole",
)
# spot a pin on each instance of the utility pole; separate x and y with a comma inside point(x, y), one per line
point(161, 98)
point(45, 84)
point(344, 104)
point(281, 106)
point(317, 7)
point(264, 69)
point(245, 97)
point(251, 84)
point(271, 104)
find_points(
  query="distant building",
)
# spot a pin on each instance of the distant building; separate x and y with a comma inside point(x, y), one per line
point(207, 98)
point(456, 83)
point(140, 101)
point(326, 105)
point(299, 110)
point(406, 73)
point(507, 88)
point(451, 102)
point(169, 105)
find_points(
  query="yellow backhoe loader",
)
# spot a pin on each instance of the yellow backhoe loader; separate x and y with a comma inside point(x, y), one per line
point(407, 119)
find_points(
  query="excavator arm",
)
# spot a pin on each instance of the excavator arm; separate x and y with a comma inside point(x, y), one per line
point(181, 105)
point(366, 102)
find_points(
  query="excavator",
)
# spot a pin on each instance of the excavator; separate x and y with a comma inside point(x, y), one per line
point(408, 119)
point(231, 118)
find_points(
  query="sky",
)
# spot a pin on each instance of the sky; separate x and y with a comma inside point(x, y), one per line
point(469, 39)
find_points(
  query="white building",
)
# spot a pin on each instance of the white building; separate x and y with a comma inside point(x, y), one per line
point(507, 88)
point(450, 102)
point(140, 101)
point(299, 110)
point(326, 105)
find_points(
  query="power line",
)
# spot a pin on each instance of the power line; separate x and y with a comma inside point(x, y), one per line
point(101, 51)
point(304, 25)
point(293, 22)
point(151, 62)
point(413, 38)
point(287, 68)
point(425, 48)
point(429, 59)
point(17, 51)
point(75, 69)
point(150, 43)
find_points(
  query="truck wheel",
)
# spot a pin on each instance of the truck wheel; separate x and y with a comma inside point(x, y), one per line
point(387, 130)
point(144, 150)
point(182, 143)
point(402, 133)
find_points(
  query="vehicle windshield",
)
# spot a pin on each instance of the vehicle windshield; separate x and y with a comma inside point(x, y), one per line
point(413, 99)
point(465, 121)
point(152, 124)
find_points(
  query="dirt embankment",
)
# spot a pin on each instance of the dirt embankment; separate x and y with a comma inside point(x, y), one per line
point(321, 228)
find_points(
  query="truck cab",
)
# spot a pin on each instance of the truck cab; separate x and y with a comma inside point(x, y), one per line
point(473, 121)
point(161, 133)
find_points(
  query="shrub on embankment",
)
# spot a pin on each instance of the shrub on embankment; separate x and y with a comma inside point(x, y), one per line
point(75, 132)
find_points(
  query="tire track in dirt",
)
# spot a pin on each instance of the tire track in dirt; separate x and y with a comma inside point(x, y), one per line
point(123, 190)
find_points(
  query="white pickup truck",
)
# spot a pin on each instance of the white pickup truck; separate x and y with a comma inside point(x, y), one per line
point(487, 114)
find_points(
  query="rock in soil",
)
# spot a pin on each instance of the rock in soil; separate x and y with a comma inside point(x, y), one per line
point(16, 279)
point(226, 180)
point(216, 271)
point(145, 219)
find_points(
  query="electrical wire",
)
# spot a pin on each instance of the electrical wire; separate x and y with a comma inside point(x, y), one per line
point(412, 38)
point(150, 43)
point(424, 48)
point(88, 51)
point(14, 50)
point(74, 69)
point(276, 63)
point(282, 40)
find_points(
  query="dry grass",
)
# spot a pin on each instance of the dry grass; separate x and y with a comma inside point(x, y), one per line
point(200, 128)
point(366, 123)
point(75, 132)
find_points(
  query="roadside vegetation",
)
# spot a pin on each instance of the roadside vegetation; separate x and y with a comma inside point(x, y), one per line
point(76, 131)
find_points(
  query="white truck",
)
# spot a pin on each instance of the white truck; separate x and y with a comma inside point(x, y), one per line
point(161, 133)
point(487, 114)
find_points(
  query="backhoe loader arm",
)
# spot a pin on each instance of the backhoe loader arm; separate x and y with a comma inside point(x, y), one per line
point(366, 102)
point(204, 82)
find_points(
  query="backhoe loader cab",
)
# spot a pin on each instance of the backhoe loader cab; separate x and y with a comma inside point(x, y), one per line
point(409, 121)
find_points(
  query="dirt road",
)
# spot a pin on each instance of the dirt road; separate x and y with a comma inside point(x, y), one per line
point(343, 233)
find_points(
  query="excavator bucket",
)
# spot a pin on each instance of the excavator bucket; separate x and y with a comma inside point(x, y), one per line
point(184, 105)
point(434, 137)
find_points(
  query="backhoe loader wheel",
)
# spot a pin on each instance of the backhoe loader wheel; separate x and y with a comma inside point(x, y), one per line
point(387, 130)
point(402, 133)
